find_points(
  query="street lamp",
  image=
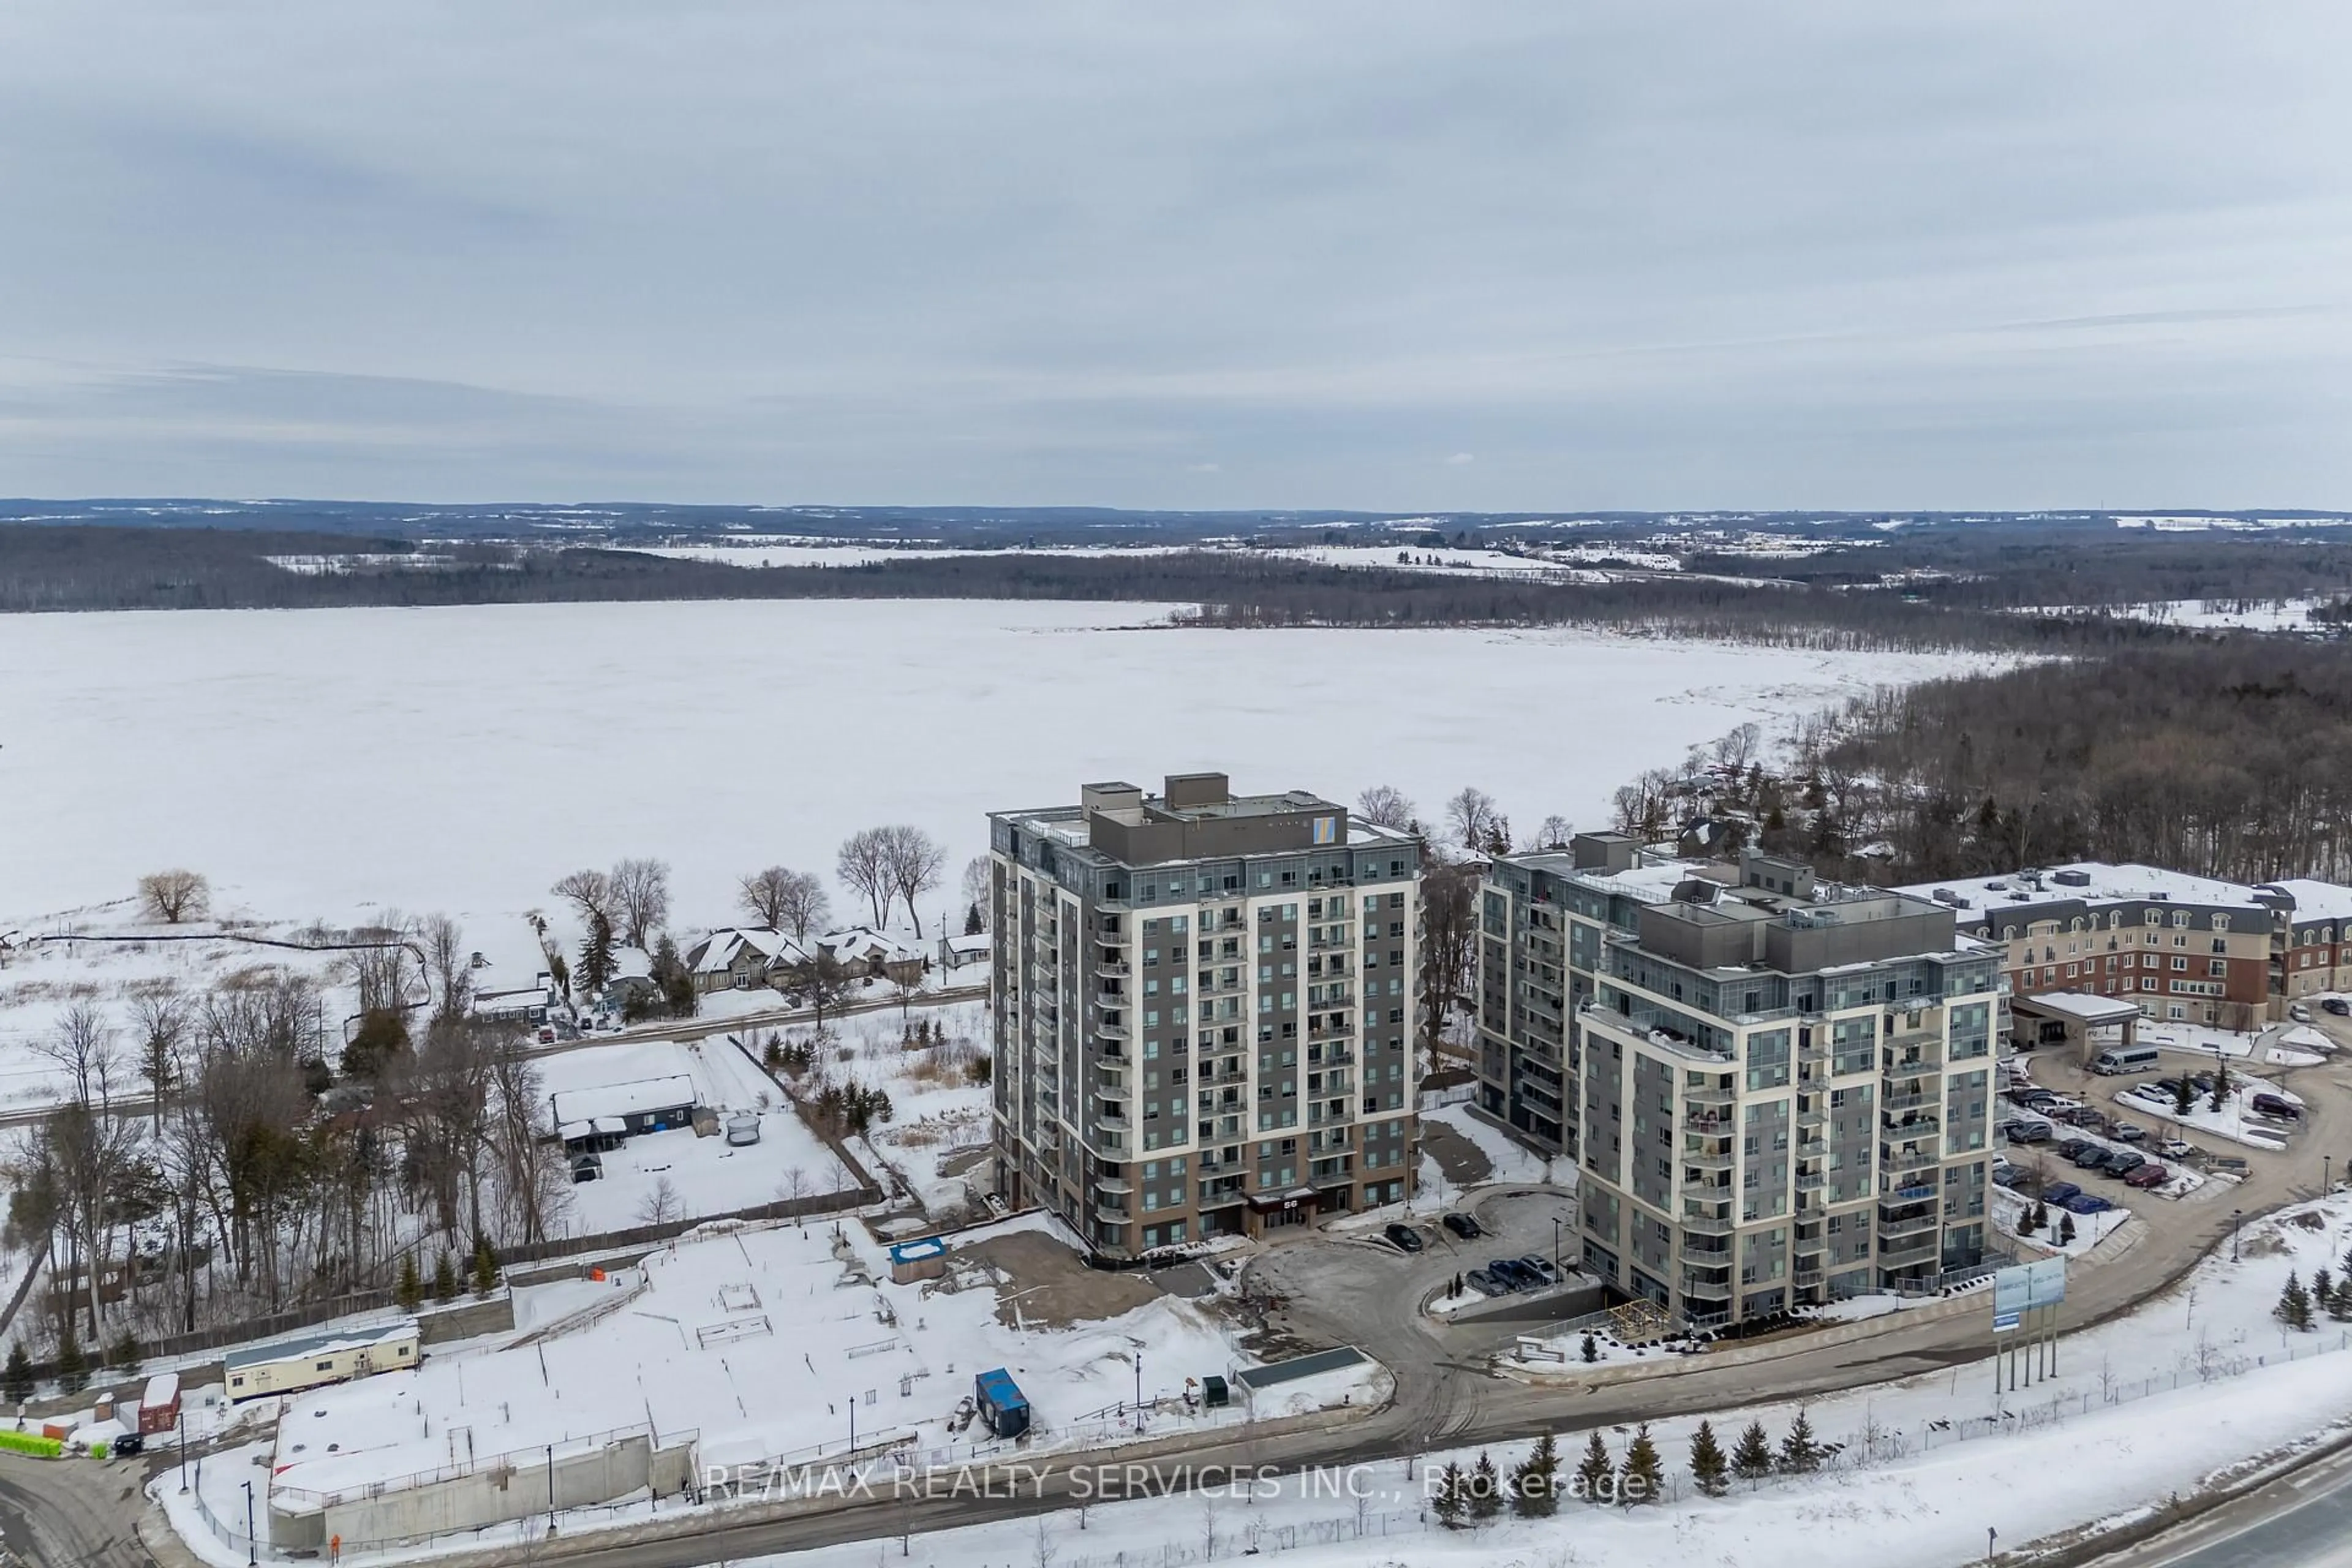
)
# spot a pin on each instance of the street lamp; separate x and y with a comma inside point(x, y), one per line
point(2235, 1216)
point(183, 1456)
point(1139, 1389)
point(550, 1489)
point(1555, 1248)
point(252, 1549)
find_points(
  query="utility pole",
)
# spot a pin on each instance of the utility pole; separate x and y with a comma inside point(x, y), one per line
point(252, 1547)
point(550, 1489)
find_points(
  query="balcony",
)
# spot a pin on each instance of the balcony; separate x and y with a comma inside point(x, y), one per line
point(1118, 1186)
point(1707, 1224)
point(1916, 1252)
point(1109, 1217)
point(1911, 1224)
point(1702, 1253)
point(1811, 1181)
point(1905, 1102)
point(1709, 1122)
point(1709, 1094)
point(1112, 968)
point(1817, 1116)
point(1892, 1160)
point(1709, 1159)
point(1111, 1031)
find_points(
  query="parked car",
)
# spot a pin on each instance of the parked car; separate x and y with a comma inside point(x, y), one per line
point(2058, 1105)
point(1508, 1272)
point(2235, 1164)
point(1463, 1226)
point(2093, 1157)
point(2336, 1005)
point(2011, 1176)
point(2124, 1162)
point(2059, 1192)
point(1486, 1283)
point(2024, 1129)
point(2127, 1132)
point(2072, 1147)
point(2175, 1149)
point(2150, 1174)
point(2034, 1099)
point(1403, 1238)
point(128, 1445)
point(1544, 1272)
point(2086, 1202)
point(2271, 1105)
point(2299, 1013)
point(2203, 1082)
point(2157, 1089)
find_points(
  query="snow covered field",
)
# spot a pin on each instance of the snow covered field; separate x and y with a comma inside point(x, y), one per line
point(2154, 1404)
point(2206, 615)
point(465, 758)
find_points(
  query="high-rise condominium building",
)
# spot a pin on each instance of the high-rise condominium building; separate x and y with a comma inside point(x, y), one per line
point(1204, 1008)
point(1777, 1094)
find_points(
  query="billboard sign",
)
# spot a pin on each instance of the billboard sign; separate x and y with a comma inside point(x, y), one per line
point(2027, 1288)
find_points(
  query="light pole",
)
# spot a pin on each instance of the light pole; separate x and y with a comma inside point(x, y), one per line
point(252, 1547)
point(1138, 1390)
point(1555, 1248)
point(182, 1425)
point(2234, 1235)
point(550, 1489)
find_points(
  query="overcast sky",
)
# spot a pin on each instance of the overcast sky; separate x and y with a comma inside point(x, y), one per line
point(1474, 255)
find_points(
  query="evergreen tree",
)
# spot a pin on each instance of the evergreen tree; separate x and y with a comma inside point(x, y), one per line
point(1799, 1454)
point(486, 1267)
point(594, 970)
point(410, 1291)
point(2221, 1084)
point(2184, 1095)
point(16, 1379)
point(2065, 1230)
point(73, 1371)
point(1751, 1459)
point(2323, 1289)
point(444, 1279)
point(2040, 1214)
point(1486, 1489)
point(124, 1354)
point(1708, 1467)
point(1592, 1348)
point(1450, 1501)
point(1644, 1479)
point(1595, 1472)
point(2293, 1307)
point(2339, 1301)
point(1535, 1484)
point(973, 924)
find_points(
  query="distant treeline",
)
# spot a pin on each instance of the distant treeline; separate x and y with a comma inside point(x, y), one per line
point(116, 568)
point(2230, 758)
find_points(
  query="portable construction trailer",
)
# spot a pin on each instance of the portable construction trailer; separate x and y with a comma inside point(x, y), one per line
point(1002, 1404)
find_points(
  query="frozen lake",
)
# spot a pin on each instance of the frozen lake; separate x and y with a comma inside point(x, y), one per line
point(315, 762)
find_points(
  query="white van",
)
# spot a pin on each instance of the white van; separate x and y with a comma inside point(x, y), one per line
point(2134, 1058)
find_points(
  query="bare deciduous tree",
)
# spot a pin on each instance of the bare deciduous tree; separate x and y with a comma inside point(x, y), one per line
point(1554, 833)
point(590, 893)
point(1385, 805)
point(660, 1206)
point(1471, 816)
point(640, 897)
point(175, 896)
point(864, 864)
point(450, 967)
point(788, 900)
point(162, 1022)
point(911, 860)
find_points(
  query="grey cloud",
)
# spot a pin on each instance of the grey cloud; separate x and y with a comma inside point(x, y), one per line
point(1722, 255)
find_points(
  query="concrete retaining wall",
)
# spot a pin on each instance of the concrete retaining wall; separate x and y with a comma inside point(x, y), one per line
point(493, 1494)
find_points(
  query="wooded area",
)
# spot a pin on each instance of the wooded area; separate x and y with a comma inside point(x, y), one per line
point(2229, 758)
